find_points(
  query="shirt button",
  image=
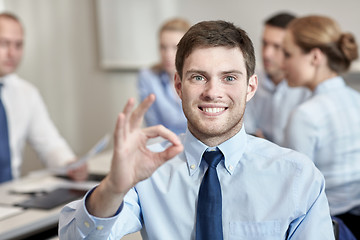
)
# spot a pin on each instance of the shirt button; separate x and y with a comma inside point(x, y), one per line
point(87, 224)
point(231, 168)
point(192, 166)
point(100, 227)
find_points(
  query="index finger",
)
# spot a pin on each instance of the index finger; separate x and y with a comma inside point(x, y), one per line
point(171, 151)
point(138, 114)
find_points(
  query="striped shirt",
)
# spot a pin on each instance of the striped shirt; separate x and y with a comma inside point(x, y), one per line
point(327, 129)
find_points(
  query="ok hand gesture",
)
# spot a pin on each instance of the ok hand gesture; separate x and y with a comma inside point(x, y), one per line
point(132, 161)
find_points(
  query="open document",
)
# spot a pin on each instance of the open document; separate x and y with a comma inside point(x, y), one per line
point(52, 179)
point(99, 147)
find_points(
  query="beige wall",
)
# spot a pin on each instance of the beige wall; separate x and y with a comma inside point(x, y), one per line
point(62, 55)
point(61, 59)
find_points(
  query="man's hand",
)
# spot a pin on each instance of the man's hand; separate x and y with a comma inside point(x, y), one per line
point(259, 134)
point(132, 161)
point(79, 174)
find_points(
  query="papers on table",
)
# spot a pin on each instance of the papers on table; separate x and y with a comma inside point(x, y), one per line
point(99, 147)
point(33, 186)
point(52, 199)
point(56, 178)
point(8, 211)
point(49, 183)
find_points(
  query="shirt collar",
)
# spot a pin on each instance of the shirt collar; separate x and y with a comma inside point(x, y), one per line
point(2, 80)
point(5, 79)
point(232, 149)
point(330, 84)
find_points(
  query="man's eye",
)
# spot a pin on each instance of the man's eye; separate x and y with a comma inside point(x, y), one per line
point(286, 54)
point(198, 78)
point(3, 43)
point(277, 47)
point(229, 78)
point(162, 47)
point(19, 45)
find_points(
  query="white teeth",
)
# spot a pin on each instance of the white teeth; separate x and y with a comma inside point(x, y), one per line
point(213, 110)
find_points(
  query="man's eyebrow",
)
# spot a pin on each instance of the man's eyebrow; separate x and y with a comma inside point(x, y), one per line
point(194, 71)
point(233, 72)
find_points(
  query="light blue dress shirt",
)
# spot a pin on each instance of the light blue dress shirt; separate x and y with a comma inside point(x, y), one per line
point(269, 193)
point(271, 106)
point(166, 109)
point(327, 129)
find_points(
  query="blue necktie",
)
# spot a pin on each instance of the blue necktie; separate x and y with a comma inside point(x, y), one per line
point(209, 208)
point(5, 164)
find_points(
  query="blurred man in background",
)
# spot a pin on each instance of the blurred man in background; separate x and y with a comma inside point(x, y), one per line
point(23, 114)
point(267, 113)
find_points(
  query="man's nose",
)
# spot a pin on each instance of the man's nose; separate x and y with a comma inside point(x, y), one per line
point(212, 89)
point(12, 50)
point(267, 51)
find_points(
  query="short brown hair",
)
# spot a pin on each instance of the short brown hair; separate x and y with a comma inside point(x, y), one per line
point(324, 33)
point(280, 20)
point(10, 16)
point(215, 34)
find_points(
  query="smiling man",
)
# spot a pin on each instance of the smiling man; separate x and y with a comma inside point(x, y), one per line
point(214, 181)
point(214, 93)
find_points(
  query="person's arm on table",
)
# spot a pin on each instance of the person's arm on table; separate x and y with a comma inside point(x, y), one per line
point(80, 173)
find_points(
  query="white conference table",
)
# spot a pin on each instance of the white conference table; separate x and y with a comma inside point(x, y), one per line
point(31, 221)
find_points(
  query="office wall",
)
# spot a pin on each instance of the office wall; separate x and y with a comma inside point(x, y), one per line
point(62, 54)
point(134, 24)
point(61, 59)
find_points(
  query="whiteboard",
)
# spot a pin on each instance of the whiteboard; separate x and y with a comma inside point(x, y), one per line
point(128, 31)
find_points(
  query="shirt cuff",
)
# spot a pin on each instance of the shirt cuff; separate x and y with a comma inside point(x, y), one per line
point(98, 227)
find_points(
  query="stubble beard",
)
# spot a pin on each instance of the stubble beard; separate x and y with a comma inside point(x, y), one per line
point(215, 134)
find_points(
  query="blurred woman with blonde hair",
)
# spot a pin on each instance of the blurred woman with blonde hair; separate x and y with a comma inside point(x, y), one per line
point(159, 79)
point(327, 126)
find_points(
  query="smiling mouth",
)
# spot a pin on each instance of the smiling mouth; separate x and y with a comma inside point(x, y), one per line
point(212, 110)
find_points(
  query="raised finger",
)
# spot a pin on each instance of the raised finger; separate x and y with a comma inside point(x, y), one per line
point(119, 133)
point(138, 114)
point(127, 114)
point(161, 131)
point(129, 106)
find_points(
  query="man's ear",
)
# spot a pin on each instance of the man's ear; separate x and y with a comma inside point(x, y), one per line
point(251, 87)
point(178, 84)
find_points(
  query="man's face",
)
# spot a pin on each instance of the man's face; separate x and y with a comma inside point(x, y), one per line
point(272, 53)
point(168, 46)
point(214, 92)
point(11, 45)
